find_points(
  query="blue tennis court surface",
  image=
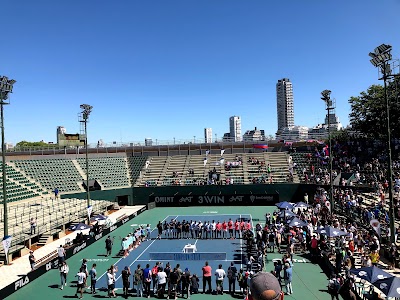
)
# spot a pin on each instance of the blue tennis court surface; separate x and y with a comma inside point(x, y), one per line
point(215, 251)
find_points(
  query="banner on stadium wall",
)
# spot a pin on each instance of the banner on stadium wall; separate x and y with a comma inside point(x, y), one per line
point(223, 200)
point(376, 225)
point(6, 245)
point(53, 264)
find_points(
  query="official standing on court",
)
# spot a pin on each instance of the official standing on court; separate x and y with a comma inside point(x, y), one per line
point(109, 244)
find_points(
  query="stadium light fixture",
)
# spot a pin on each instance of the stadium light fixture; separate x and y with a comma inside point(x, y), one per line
point(86, 110)
point(381, 59)
point(6, 87)
point(326, 97)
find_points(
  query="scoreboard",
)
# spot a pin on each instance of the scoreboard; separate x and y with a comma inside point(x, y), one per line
point(71, 140)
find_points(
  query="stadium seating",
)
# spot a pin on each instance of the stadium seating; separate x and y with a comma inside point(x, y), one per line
point(135, 166)
point(111, 172)
point(52, 173)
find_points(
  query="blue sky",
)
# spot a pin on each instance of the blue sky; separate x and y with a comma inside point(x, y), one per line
point(165, 69)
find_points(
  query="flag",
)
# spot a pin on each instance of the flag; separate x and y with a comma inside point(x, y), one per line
point(222, 151)
point(260, 146)
point(7, 244)
point(207, 152)
point(376, 225)
point(205, 161)
point(89, 210)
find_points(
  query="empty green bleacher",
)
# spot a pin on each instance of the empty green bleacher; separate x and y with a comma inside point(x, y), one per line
point(52, 173)
point(135, 166)
point(109, 171)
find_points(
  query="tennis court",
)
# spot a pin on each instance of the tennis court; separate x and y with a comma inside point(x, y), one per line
point(309, 282)
point(215, 251)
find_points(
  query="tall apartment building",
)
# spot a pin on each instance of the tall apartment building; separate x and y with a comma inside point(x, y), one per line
point(208, 135)
point(284, 102)
point(235, 128)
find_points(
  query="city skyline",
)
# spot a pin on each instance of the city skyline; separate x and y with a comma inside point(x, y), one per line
point(170, 70)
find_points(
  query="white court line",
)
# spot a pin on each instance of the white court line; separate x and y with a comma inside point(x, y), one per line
point(98, 279)
point(143, 250)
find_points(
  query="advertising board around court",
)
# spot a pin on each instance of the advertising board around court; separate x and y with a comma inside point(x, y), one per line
point(215, 200)
point(53, 264)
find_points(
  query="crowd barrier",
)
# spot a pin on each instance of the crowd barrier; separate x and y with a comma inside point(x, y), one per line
point(53, 264)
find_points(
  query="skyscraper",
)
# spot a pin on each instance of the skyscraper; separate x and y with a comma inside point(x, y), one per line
point(235, 128)
point(208, 135)
point(284, 103)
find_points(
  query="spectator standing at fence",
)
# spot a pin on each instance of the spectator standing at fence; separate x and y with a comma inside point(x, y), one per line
point(219, 279)
point(231, 274)
point(154, 272)
point(194, 284)
point(109, 244)
point(32, 260)
point(33, 226)
point(126, 274)
point(147, 280)
point(81, 282)
point(207, 277)
point(173, 284)
point(185, 279)
point(162, 282)
point(64, 269)
point(93, 279)
point(138, 281)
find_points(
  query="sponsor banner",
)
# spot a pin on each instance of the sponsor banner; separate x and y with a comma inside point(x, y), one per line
point(53, 264)
point(228, 200)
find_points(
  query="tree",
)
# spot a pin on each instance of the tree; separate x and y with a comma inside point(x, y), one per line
point(368, 111)
point(25, 144)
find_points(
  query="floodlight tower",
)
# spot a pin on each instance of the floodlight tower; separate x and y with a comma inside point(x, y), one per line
point(6, 87)
point(326, 97)
point(381, 59)
point(84, 117)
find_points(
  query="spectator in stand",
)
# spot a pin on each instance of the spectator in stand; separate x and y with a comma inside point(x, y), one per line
point(33, 226)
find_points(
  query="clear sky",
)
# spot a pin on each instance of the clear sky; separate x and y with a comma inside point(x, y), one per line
point(168, 68)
